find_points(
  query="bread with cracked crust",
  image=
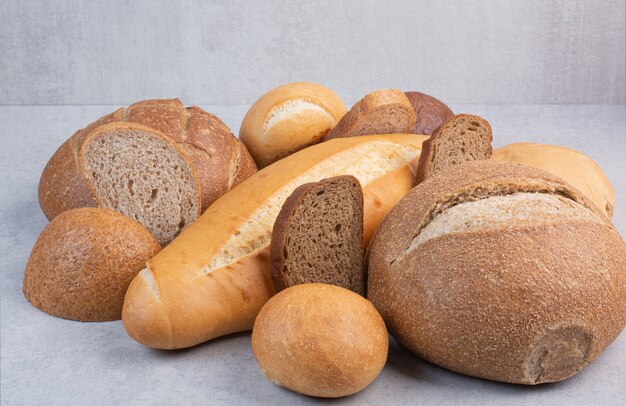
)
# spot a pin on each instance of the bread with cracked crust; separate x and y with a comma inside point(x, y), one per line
point(156, 161)
point(500, 271)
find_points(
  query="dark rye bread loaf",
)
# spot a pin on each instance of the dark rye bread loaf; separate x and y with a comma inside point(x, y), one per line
point(462, 138)
point(318, 236)
point(430, 112)
point(500, 271)
point(155, 161)
point(386, 111)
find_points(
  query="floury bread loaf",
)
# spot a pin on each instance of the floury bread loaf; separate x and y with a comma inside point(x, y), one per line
point(500, 271)
point(571, 165)
point(214, 278)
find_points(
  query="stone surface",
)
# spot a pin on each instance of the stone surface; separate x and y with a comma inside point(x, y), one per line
point(230, 52)
point(47, 360)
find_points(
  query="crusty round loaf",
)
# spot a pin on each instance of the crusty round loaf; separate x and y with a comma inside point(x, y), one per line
point(83, 262)
point(500, 271)
point(430, 112)
point(320, 340)
point(289, 118)
point(218, 159)
point(572, 166)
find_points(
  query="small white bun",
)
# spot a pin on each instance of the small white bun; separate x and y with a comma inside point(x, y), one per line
point(320, 340)
point(289, 118)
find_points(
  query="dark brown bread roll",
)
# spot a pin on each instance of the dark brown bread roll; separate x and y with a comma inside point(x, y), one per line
point(430, 112)
point(83, 262)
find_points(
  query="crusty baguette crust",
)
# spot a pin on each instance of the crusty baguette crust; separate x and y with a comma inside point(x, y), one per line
point(252, 132)
point(217, 157)
point(166, 306)
point(430, 112)
point(279, 232)
point(429, 148)
point(573, 166)
point(444, 299)
point(363, 107)
point(83, 262)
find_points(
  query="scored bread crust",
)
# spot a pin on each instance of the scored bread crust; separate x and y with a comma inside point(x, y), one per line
point(280, 230)
point(370, 102)
point(219, 160)
point(253, 133)
point(430, 112)
point(499, 303)
point(429, 149)
point(166, 305)
point(574, 167)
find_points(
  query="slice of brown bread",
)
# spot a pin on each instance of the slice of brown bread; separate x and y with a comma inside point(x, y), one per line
point(463, 138)
point(318, 236)
point(143, 174)
point(386, 111)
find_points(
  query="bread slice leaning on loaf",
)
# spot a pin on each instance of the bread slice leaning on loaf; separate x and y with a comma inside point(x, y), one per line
point(500, 271)
point(214, 278)
point(318, 236)
point(385, 111)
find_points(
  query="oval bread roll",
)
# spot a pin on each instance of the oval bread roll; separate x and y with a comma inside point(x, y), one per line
point(320, 340)
point(289, 118)
point(83, 262)
point(215, 276)
point(571, 165)
point(500, 271)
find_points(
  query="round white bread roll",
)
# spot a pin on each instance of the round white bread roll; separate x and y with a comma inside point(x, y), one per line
point(320, 340)
point(289, 118)
point(570, 165)
point(500, 271)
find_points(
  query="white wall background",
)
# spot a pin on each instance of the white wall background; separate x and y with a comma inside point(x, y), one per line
point(229, 52)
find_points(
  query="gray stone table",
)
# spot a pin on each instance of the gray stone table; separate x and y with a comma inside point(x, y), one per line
point(47, 360)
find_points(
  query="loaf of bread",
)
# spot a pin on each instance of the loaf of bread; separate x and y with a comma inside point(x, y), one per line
point(214, 278)
point(430, 113)
point(500, 271)
point(155, 161)
point(574, 167)
point(463, 138)
point(320, 340)
point(83, 262)
point(318, 236)
point(385, 111)
point(289, 118)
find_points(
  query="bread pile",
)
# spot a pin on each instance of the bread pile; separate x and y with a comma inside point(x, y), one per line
point(473, 263)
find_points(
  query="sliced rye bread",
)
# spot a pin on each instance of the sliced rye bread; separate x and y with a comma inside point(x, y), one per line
point(386, 111)
point(318, 236)
point(463, 138)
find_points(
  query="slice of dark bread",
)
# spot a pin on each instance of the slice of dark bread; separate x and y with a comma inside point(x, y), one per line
point(462, 138)
point(386, 111)
point(318, 236)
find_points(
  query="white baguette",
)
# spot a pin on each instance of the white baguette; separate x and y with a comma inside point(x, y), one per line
point(214, 278)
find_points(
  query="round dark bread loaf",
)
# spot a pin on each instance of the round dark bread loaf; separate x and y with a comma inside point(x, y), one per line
point(430, 112)
point(500, 271)
point(181, 159)
point(83, 262)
